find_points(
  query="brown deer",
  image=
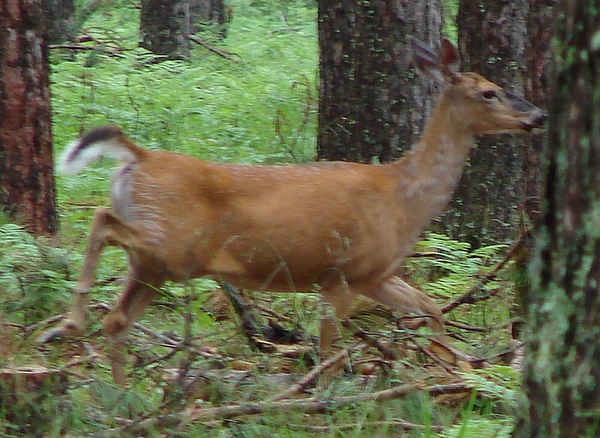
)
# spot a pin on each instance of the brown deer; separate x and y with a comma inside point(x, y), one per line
point(341, 229)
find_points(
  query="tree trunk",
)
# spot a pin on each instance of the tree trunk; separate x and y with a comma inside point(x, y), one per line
point(27, 191)
point(165, 27)
point(211, 14)
point(538, 54)
point(538, 57)
point(492, 41)
point(562, 366)
point(60, 16)
point(372, 105)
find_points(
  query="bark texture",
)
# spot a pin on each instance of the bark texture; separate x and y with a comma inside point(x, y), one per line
point(165, 25)
point(27, 190)
point(209, 12)
point(540, 27)
point(540, 30)
point(60, 15)
point(562, 367)
point(492, 41)
point(372, 104)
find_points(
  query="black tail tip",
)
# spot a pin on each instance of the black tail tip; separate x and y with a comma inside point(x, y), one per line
point(101, 133)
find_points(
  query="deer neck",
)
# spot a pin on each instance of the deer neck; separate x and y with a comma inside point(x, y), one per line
point(429, 173)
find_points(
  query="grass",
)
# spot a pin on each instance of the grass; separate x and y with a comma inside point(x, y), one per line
point(260, 108)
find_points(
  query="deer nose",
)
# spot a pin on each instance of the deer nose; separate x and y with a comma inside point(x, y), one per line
point(540, 119)
point(536, 122)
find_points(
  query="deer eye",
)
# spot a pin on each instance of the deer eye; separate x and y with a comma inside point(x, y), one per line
point(489, 94)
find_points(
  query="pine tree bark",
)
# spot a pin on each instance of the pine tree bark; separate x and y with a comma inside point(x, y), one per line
point(492, 41)
point(166, 25)
point(27, 190)
point(209, 12)
point(372, 104)
point(60, 16)
point(538, 56)
point(562, 365)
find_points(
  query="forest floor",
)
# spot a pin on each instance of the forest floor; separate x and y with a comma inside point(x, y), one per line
point(193, 369)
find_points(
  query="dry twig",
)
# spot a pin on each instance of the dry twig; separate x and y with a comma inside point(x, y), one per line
point(432, 356)
point(397, 424)
point(308, 405)
point(361, 334)
point(274, 313)
point(314, 405)
point(315, 373)
point(213, 49)
point(467, 327)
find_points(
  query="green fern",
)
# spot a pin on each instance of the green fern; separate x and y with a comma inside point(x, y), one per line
point(496, 389)
point(480, 427)
point(449, 267)
point(498, 383)
point(32, 275)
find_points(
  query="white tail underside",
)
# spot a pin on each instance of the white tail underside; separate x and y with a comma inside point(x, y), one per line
point(74, 160)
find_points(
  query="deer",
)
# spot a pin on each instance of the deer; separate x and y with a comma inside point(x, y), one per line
point(340, 229)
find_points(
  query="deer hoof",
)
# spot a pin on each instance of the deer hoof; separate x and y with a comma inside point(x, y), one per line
point(65, 330)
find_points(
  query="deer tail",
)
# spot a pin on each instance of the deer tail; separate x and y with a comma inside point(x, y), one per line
point(106, 141)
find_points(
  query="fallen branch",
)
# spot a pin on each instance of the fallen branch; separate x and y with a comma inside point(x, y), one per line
point(432, 356)
point(404, 425)
point(82, 48)
point(284, 21)
point(269, 311)
point(468, 327)
point(207, 46)
point(244, 311)
point(13, 324)
point(57, 318)
point(308, 406)
point(369, 340)
point(314, 405)
point(71, 47)
point(315, 373)
point(165, 341)
point(254, 332)
point(48, 321)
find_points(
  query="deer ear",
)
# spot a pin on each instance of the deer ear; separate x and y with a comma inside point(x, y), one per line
point(441, 67)
point(426, 59)
point(449, 59)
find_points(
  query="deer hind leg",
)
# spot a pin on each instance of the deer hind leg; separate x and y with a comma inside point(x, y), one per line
point(340, 298)
point(140, 290)
point(401, 296)
point(107, 229)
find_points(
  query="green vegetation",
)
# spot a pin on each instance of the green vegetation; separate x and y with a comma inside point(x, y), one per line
point(256, 106)
point(259, 106)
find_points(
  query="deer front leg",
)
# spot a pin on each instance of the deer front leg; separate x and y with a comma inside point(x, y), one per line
point(400, 295)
